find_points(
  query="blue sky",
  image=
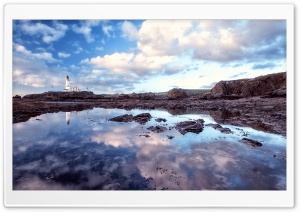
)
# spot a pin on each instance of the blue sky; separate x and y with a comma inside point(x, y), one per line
point(126, 56)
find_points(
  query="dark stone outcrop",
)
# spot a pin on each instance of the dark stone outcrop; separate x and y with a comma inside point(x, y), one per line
point(176, 93)
point(190, 126)
point(270, 85)
point(251, 142)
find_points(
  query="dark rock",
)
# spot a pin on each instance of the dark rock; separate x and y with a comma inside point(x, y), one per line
point(147, 96)
point(142, 118)
point(170, 137)
point(157, 129)
point(176, 93)
point(190, 126)
point(225, 130)
point(215, 126)
point(122, 118)
point(259, 86)
point(251, 142)
point(220, 128)
point(160, 120)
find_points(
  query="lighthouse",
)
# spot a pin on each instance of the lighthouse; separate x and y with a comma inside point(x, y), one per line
point(69, 87)
point(67, 83)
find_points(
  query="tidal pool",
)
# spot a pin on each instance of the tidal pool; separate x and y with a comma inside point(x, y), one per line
point(85, 151)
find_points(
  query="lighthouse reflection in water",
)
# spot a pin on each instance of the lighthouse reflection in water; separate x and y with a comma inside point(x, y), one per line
point(68, 115)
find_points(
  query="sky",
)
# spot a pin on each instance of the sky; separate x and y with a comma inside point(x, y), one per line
point(126, 56)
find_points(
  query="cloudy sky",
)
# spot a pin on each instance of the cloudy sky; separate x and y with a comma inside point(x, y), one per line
point(125, 56)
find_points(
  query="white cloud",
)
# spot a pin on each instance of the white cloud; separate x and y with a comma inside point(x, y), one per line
point(99, 48)
point(22, 49)
point(48, 34)
point(131, 63)
point(160, 37)
point(129, 31)
point(84, 61)
point(214, 40)
point(85, 28)
point(107, 29)
point(46, 56)
point(63, 55)
point(35, 73)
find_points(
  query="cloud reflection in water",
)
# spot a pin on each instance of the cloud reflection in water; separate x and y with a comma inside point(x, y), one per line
point(91, 153)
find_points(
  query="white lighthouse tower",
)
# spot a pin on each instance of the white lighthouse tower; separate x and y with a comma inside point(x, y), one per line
point(67, 88)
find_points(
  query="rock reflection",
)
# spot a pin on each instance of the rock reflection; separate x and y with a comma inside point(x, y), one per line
point(223, 116)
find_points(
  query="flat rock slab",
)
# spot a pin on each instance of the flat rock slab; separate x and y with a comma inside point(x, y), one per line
point(157, 129)
point(251, 142)
point(190, 126)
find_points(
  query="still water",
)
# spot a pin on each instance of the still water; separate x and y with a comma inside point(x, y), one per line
point(85, 151)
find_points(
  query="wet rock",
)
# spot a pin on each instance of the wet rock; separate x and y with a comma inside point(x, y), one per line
point(142, 118)
point(176, 93)
point(160, 120)
point(215, 126)
point(251, 142)
point(225, 130)
point(157, 129)
point(190, 126)
point(122, 118)
point(220, 128)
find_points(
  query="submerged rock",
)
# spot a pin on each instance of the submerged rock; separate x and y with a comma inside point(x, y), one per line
point(251, 142)
point(190, 126)
point(157, 129)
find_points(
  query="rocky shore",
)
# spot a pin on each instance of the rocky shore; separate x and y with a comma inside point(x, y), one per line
point(233, 102)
